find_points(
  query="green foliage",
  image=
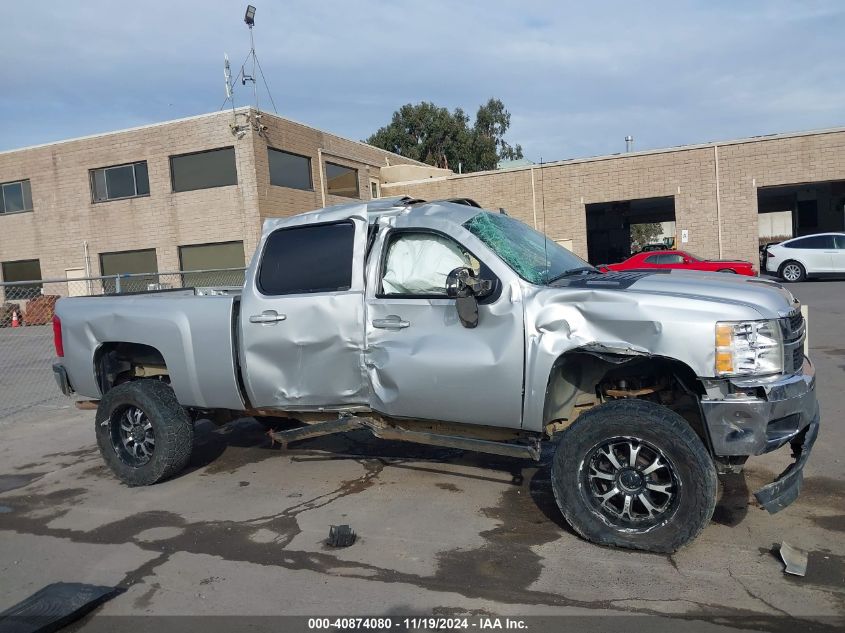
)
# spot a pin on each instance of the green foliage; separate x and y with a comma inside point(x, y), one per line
point(433, 135)
point(642, 234)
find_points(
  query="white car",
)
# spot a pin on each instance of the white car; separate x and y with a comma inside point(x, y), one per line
point(807, 256)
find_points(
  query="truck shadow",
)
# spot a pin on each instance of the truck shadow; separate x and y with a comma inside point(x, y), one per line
point(243, 442)
point(732, 506)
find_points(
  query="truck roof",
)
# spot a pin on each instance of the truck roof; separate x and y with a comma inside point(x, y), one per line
point(458, 210)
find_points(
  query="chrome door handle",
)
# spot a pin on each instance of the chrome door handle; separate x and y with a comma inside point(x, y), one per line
point(268, 316)
point(391, 322)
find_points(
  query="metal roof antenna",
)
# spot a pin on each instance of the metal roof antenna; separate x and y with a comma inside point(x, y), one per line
point(227, 76)
point(252, 121)
point(238, 131)
point(249, 20)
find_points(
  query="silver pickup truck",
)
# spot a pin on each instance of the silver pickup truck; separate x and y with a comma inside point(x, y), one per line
point(445, 324)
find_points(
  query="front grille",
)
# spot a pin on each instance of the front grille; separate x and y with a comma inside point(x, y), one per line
point(796, 321)
point(793, 338)
point(793, 327)
point(797, 359)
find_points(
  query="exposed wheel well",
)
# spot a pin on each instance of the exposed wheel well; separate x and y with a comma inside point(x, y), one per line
point(118, 362)
point(580, 380)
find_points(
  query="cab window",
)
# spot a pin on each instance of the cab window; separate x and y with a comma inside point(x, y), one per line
point(417, 264)
point(307, 259)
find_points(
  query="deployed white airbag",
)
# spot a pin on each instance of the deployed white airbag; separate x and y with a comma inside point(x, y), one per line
point(419, 264)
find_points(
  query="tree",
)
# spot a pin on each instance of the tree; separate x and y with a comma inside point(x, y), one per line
point(642, 234)
point(433, 135)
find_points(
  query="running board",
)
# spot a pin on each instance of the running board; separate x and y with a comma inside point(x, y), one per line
point(388, 432)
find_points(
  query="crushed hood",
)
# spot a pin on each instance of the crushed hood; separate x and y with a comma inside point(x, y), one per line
point(769, 298)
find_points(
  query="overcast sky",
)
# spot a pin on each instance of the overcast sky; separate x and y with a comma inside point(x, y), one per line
point(576, 76)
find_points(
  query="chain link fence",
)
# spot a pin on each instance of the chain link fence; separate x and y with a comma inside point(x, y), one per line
point(27, 386)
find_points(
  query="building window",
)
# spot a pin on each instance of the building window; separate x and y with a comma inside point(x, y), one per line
point(374, 189)
point(23, 270)
point(211, 257)
point(204, 170)
point(289, 170)
point(341, 181)
point(120, 181)
point(15, 197)
point(307, 259)
point(129, 263)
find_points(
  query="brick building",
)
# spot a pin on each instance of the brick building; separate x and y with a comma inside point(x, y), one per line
point(191, 194)
point(180, 195)
point(720, 196)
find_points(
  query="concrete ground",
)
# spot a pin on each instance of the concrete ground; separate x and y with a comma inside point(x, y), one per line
point(440, 531)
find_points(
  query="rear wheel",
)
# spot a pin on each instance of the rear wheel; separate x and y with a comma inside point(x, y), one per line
point(727, 270)
point(631, 473)
point(143, 433)
point(792, 272)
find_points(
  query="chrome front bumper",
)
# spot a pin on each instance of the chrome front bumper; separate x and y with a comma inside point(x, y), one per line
point(746, 425)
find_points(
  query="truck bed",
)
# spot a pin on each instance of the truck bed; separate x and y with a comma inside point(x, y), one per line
point(193, 332)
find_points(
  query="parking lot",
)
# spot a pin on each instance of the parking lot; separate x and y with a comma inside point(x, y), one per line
point(440, 531)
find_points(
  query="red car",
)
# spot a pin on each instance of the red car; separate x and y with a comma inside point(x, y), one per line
point(681, 260)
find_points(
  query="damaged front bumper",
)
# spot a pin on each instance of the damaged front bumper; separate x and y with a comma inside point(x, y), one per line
point(784, 490)
point(762, 415)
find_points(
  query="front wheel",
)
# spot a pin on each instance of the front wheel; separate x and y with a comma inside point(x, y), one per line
point(631, 473)
point(143, 433)
point(727, 270)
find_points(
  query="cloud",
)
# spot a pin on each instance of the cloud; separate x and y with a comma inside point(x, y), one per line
point(577, 77)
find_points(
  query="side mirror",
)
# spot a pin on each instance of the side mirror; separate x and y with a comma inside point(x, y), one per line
point(463, 286)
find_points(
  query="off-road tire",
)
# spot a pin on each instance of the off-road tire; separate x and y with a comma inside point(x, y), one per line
point(171, 425)
point(653, 425)
point(802, 272)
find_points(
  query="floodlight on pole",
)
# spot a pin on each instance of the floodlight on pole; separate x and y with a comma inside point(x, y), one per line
point(249, 16)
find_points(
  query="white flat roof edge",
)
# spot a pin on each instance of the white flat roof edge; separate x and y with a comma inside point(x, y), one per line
point(662, 150)
point(146, 126)
point(195, 117)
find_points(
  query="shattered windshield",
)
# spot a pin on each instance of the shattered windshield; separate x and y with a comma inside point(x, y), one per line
point(530, 254)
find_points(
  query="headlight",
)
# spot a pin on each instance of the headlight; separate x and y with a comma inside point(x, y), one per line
point(745, 348)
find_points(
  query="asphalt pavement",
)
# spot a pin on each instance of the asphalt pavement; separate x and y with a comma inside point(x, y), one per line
point(440, 532)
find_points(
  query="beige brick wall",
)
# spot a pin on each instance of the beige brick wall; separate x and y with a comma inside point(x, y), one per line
point(688, 174)
point(64, 216)
point(320, 147)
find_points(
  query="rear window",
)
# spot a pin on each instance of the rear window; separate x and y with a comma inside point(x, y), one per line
point(308, 259)
point(813, 241)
